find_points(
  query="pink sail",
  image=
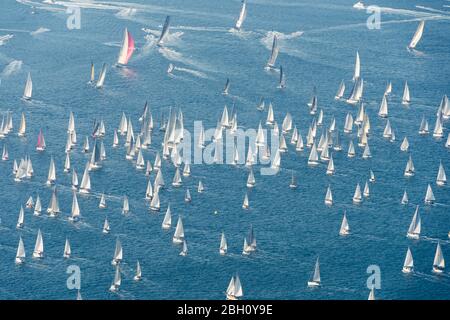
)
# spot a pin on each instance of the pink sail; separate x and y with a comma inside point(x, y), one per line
point(41, 141)
point(130, 46)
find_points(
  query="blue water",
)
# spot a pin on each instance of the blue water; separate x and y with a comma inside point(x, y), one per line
point(292, 227)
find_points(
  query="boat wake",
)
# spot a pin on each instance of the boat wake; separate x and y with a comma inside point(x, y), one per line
point(39, 31)
point(12, 68)
point(191, 71)
point(126, 13)
point(434, 240)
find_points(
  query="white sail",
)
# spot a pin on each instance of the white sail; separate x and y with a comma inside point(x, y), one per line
point(51, 178)
point(39, 246)
point(167, 222)
point(439, 262)
point(366, 192)
point(441, 178)
point(126, 205)
point(273, 54)
point(357, 197)
point(28, 91)
point(409, 170)
point(85, 186)
point(357, 91)
point(405, 144)
point(75, 213)
point(405, 199)
point(406, 99)
point(415, 225)
point(313, 156)
point(408, 264)
point(118, 253)
point(438, 131)
point(155, 203)
point(106, 227)
point(270, 116)
point(429, 196)
point(53, 208)
point(20, 254)
point(23, 126)
point(223, 244)
point(345, 228)
point(178, 236)
point(20, 220)
point(357, 71)
point(329, 196)
point(315, 278)
point(138, 274)
point(67, 249)
point(341, 91)
point(101, 77)
point(383, 111)
point(417, 35)
point(242, 15)
point(37, 206)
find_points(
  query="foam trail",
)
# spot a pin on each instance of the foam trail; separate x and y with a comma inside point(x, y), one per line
point(39, 31)
point(432, 9)
point(193, 72)
point(126, 13)
point(12, 68)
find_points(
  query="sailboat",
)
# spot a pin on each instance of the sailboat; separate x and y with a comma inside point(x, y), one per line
point(102, 204)
point(251, 179)
point(345, 228)
point(313, 158)
point(106, 227)
point(226, 88)
point(118, 253)
point(20, 254)
point(41, 142)
point(67, 249)
point(341, 91)
point(405, 145)
point(383, 111)
point(39, 246)
point(293, 183)
point(51, 178)
point(155, 203)
point(170, 68)
point(270, 116)
point(328, 197)
point(30, 203)
point(138, 275)
point(177, 182)
point(247, 248)
point(75, 214)
point(117, 280)
point(101, 77)
point(405, 199)
point(200, 188)
point(441, 178)
point(20, 220)
point(414, 226)
point(438, 131)
point(178, 236)
point(366, 154)
point(282, 81)
point(351, 150)
point(187, 196)
point(423, 129)
point(357, 198)
point(67, 163)
point(127, 49)
point(164, 32)
point(429, 196)
point(388, 89)
point(409, 170)
point(246, 203)
point(357, 92)
point(53, 208)
point(242, 16)
point(5, 153)
point(92, 78)
point(22, 126)
point(406, 99)
point(417, 35)
point(408, 265)
point(37, 206)
point(439, 262)
point(315, 278)
point(184, 250)
point(126, 205)
point(85, 186)
point(234, 290)
point(330, 168)
point(274, 53)
point(223, 245)
point(261, 105)
point(167, 222)
point(28, 91)
point(357, 70)
point(371, 294)
point(74, 180)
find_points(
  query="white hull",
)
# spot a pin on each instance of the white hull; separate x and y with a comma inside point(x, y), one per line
point(115, 262)
point(413, 236)
point(328, 202)
point(38, 255)
point(19, 260)
point(437, 270)
point(137, 278)
point(84, 191)
point(177, 240)
point(407, 270)
point(440, 183)
point(357, 200)
point(313, 284)
point(113, 288)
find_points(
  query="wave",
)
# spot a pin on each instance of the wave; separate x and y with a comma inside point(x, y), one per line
point(5, 38)
point(12, 68)
point(39, 31)
point(126, 13)
point(267, 40)
point(170, 39)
